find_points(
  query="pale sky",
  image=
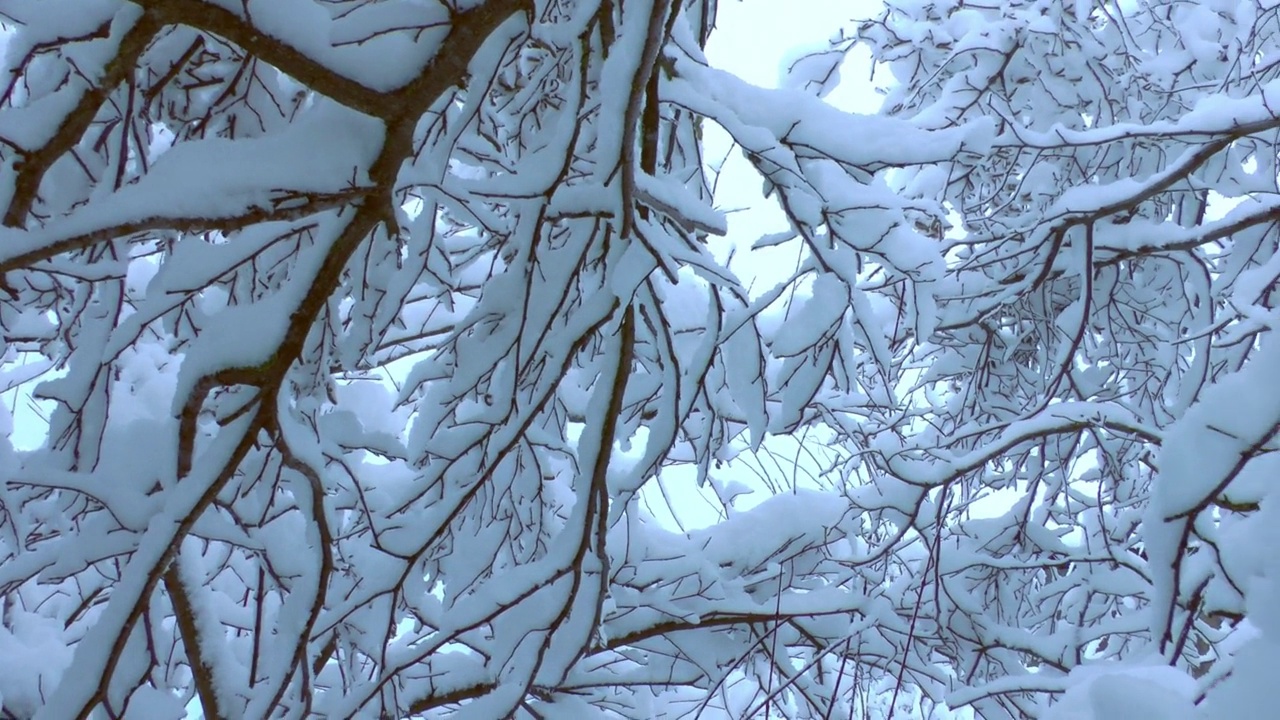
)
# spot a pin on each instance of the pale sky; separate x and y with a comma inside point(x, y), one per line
point(753, 36)
point(752, 39)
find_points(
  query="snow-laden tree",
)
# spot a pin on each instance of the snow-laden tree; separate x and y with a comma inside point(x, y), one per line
point(374, 333)
point(1100, 354)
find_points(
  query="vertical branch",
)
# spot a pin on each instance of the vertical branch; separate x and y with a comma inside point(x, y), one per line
point(600, 473)
point(202, 671)
point(259, 596)
point(659, 23)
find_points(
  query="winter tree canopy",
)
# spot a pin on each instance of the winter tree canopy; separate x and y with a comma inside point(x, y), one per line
point(385, 341)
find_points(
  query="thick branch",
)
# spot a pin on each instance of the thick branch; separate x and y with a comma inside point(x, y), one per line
point(44, 248)
point(201, 670)
point(469, 31)
point(225, 24)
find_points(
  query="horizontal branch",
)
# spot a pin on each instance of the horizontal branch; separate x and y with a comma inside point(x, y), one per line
point(41, 245)
point(229, 26)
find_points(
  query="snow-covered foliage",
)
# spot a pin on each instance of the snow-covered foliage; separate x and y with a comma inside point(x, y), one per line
point(376, 333)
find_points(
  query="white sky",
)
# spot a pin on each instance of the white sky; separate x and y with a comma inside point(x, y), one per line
point(752, 39)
